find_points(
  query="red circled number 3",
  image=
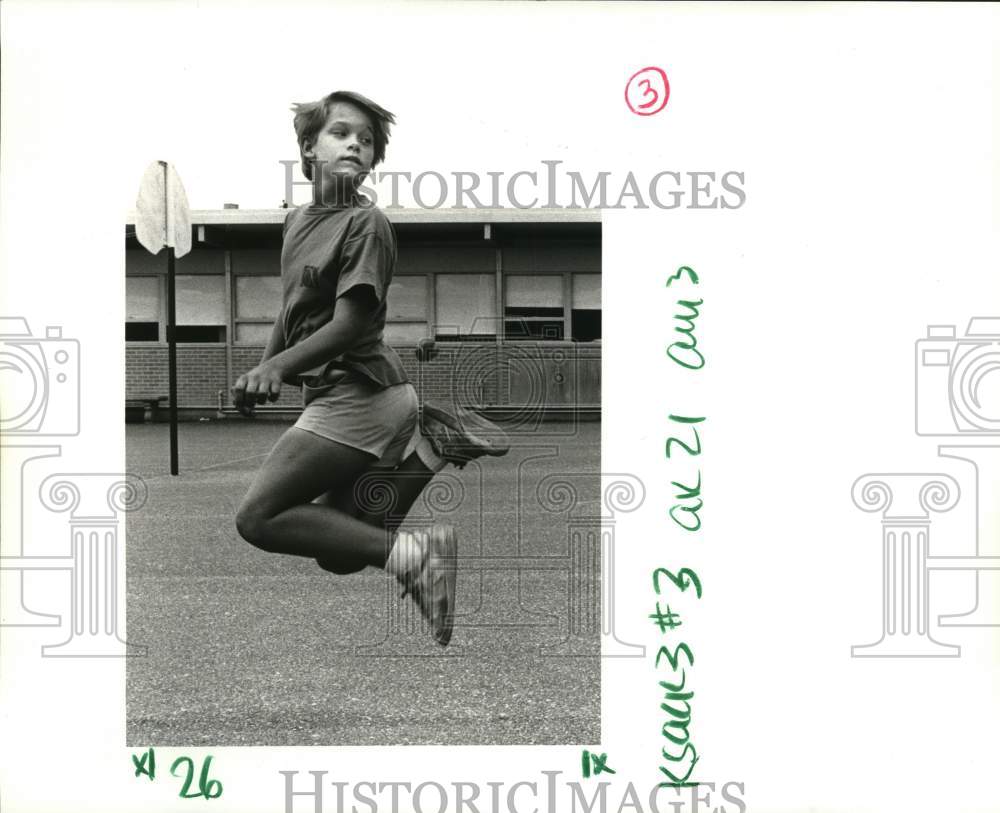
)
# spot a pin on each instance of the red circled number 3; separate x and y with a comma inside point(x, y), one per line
point(647, 90)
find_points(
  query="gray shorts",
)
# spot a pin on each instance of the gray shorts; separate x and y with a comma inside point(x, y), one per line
point(357, 413)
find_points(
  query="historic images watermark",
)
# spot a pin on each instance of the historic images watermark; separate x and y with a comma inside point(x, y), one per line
point(316, 791)
point(956, 398)
point(548, 186)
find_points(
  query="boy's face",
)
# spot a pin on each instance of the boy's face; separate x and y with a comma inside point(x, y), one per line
point(345, 147)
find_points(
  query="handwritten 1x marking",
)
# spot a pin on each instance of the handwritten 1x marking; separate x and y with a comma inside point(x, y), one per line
point(599, 763)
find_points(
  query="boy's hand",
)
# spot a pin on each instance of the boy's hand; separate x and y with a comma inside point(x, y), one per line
point(261, 384)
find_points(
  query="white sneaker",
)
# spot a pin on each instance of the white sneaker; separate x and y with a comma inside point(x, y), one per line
point(432, 584)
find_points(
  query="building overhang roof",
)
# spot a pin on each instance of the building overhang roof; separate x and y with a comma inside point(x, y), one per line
point(237, 217)
point(250, 228)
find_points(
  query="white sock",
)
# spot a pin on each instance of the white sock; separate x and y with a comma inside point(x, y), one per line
point(405, 556)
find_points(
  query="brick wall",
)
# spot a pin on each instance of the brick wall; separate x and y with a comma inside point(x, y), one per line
point(201, 369)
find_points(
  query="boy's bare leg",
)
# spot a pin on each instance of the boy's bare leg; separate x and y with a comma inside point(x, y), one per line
point(277, 513)
point(406, 482)
point(445, 437)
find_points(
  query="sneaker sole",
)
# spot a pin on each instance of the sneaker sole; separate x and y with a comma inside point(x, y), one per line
point(444, 545)
point(496, 445)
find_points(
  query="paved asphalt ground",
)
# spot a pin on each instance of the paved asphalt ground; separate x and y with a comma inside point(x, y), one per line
point(249, 648)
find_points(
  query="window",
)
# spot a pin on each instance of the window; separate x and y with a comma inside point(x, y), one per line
point(534, 307)
point(466, 306)
point(258, 300)
point(142, 309)
point(586, 313)
point(406, 317)
point(250, 333)
point(200, 303)
point(142, 331)
point(258, 297)
point(200, 333)
point(201, 306)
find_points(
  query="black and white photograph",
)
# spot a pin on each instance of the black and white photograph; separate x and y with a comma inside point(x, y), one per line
point(427, 406)
point(405, 403)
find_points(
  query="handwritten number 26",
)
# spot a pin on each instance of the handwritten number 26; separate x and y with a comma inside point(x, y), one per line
point(209, 788)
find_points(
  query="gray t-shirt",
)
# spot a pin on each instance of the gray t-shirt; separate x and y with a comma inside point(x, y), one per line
point(326, 252)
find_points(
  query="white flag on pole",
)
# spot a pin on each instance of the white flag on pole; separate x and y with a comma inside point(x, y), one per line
point(162, 213)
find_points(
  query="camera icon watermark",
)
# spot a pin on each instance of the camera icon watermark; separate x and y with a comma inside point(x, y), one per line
point(41, 381)
point(39, 401)
point(957, 389)
point(956, 396)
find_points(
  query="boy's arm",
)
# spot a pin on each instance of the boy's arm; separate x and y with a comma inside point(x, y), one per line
point(276, 343)
point(350, 318)
point(263, 382)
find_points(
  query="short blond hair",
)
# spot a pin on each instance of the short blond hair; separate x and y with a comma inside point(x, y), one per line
point(310, 118)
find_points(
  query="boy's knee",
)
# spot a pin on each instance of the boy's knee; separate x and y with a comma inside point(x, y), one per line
point(342, 565)
point(250, 525)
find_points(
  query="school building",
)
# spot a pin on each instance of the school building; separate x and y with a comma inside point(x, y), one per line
point(512, 296)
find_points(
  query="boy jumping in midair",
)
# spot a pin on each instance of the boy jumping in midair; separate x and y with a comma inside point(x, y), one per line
point(361, 413)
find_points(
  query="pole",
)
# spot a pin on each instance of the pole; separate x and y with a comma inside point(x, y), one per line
point(171, 321)
point(164, 219)
point(172, 356)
